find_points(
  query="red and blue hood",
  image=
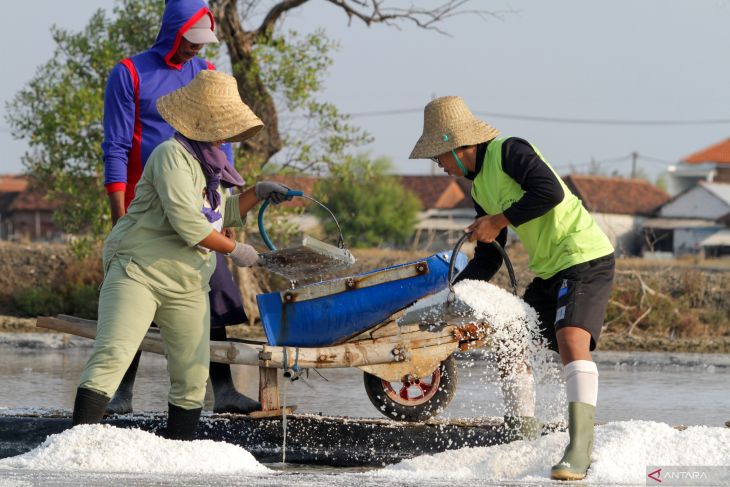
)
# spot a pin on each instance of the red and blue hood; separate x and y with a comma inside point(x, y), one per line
point(179, 16)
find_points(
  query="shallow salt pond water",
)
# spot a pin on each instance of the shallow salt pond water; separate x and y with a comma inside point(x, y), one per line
point(659, 389)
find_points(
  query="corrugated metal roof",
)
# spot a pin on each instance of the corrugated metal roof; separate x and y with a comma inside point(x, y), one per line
point(721, 238)
point(669, 223)
point(721, 190)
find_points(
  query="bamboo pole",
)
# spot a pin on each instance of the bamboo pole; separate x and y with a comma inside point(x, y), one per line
point(350, 354)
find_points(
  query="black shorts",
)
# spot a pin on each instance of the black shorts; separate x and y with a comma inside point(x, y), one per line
point(576, 296)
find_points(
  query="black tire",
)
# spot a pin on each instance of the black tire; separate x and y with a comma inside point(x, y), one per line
point(390, 403)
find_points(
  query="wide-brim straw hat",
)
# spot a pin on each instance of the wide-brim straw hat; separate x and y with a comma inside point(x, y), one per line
point(447, 124)
point(209, 109)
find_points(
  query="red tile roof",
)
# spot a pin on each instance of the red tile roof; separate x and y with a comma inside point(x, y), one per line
point(719, 153)
point(604, 194)
point(32, 201)
point(12, 183)
point(435, 192)
point(465, 186)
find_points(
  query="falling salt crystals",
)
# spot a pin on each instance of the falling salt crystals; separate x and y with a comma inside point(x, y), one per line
point(516, 340)
point(513, 323)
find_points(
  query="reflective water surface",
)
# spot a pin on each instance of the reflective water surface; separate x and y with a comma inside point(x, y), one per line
point(671, 388)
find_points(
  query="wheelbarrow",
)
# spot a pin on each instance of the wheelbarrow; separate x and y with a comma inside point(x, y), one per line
point(409, 368)
point(358, 321)
point(409, 371)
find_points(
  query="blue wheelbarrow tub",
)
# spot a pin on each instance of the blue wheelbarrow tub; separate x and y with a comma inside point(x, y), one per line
point(330, 312)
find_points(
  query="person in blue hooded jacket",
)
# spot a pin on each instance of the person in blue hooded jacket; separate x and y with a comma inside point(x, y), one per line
point(132, 129)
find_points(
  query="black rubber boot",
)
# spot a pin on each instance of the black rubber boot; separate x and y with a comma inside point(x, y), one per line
point(181, 423)
point(121, 403)
point(226, 399)
point(89, 406)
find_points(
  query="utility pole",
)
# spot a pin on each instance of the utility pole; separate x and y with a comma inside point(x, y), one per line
point(634, 156)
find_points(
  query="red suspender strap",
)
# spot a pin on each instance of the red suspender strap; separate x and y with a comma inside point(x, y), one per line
point(134, 161)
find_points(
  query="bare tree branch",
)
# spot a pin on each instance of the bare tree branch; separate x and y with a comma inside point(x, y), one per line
point(375, 12)
point(267, 25)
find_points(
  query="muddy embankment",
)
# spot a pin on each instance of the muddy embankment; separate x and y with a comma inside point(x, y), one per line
point(655, 306)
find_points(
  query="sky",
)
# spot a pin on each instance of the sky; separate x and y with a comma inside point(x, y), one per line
point(619, 61)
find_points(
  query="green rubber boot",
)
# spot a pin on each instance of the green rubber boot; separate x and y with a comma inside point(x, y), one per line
point(522, 428)
point(577, 457)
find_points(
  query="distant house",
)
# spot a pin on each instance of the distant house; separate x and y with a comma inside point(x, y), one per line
point(685, 223)
point(619, 205)
point(711, 165)
point(25, 214)
point(447, 208)
point(717, 244)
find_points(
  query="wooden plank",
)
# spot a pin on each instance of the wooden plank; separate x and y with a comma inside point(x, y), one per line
point(421, 363)
point(269, 389)
point(152, 342)
point(220, 352)
point(272, 412)
point(350, 354)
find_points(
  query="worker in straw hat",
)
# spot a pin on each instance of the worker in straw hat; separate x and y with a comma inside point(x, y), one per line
point(132, 129)
point(158, 258)
point(572, 259)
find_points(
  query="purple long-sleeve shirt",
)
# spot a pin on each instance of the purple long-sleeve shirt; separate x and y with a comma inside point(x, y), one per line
point(132, 125)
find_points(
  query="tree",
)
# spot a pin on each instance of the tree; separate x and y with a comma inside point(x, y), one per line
point(252, 48)
point(60, 111)
point(373, 207)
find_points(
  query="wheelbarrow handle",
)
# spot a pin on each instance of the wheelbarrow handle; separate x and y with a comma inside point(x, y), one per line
point(500, 249)
point(293, 192)
point(266, 203)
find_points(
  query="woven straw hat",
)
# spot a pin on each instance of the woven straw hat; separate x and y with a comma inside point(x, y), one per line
point(209, 109)
point(447, 124)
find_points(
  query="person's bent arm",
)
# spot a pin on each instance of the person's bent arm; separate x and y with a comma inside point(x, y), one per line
point(218, 242)
point(487, 260)
point(243, 255)
point(246, 201)
point(543, 190)
point(116, 201)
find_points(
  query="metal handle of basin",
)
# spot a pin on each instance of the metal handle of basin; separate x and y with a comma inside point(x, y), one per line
point(293, 192)
point(452, 265)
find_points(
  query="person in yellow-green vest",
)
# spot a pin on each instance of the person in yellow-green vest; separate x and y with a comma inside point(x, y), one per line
point(572, 259)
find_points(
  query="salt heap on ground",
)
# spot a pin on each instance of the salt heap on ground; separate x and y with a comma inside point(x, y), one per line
point(621, 453)
point(104, 448)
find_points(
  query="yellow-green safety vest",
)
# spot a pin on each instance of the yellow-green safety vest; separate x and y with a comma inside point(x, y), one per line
point(565, 236)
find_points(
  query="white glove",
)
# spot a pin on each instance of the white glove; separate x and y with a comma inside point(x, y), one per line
point(243, 255)
point(275, 191)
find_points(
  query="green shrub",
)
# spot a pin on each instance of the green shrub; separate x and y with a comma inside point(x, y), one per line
point(76, 299)
point(373, 207)
point(39, 302)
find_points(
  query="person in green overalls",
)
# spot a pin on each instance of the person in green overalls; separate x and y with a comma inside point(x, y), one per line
point(160, 255)
point(571, 257)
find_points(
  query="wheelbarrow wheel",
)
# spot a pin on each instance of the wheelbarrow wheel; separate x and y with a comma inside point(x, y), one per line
point(414, 400)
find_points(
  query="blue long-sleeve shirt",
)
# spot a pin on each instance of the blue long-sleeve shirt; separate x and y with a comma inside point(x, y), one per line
point(132, 125)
